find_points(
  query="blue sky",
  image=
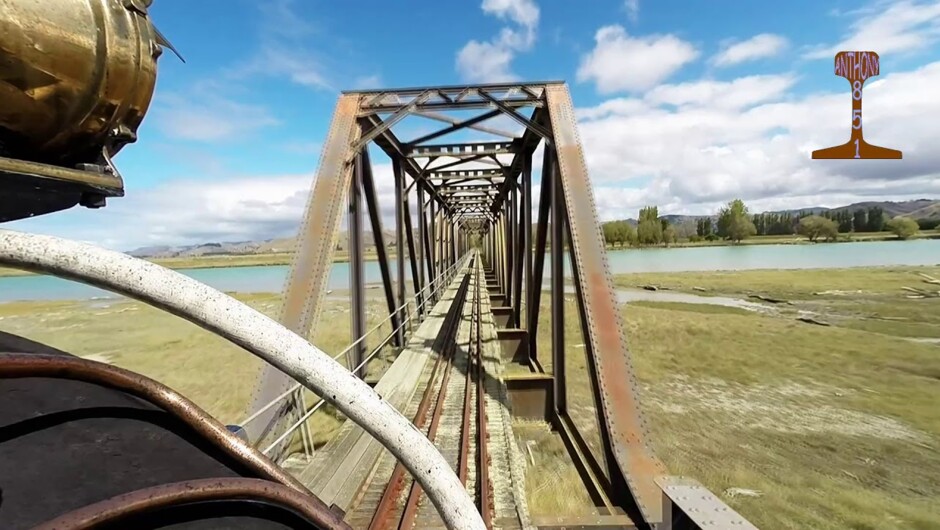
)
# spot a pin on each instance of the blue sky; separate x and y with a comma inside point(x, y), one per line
point(683, 104)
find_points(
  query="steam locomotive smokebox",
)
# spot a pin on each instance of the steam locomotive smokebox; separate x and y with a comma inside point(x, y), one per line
point(76, 79)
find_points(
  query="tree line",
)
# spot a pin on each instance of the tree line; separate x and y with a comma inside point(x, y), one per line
point(735, 223)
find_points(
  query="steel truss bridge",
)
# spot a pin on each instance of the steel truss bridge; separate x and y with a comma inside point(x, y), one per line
point(432, 444)
point(462, 216)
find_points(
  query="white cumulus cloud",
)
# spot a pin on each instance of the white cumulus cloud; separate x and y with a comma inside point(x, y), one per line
point(620, 62)
point(757, 47)
point(691, 146)
point(491, 61)
point(886, 27)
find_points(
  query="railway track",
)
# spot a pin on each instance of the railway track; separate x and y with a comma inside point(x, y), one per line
point(452, 413)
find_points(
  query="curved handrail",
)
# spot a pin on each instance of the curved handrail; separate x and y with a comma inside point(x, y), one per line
point(223, 315)
point(20, 365)
point(196, 491)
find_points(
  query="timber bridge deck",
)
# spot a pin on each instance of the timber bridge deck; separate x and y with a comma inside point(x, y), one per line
point(464, 327)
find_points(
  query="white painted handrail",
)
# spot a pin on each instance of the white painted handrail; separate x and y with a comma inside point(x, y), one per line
point(223, 315)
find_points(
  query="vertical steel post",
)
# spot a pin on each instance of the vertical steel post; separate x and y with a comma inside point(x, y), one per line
point(510, 250)
point(431, 235)
point(423, 254)
point(417, 278)
point(507, 252)
point(541, 236)
point(378, 238)
point(558, 292)
point(518, 259)
point(400, 212)
point(527, 233)
point(500, 252)
point(356, 270)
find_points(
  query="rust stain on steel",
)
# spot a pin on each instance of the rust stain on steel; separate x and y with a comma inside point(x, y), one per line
point(306, 284)
point(13, 365)
point(112, 510)
point(615, 375)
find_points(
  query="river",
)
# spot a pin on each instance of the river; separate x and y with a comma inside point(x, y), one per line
point(743, 257)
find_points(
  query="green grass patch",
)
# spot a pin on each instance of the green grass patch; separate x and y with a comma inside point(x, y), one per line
point(800, 284)
point(226, 260)
point(217, 375)
point(835, 427)
point(705, 309)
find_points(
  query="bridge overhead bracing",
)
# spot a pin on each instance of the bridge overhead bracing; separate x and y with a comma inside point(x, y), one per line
point(468, 182)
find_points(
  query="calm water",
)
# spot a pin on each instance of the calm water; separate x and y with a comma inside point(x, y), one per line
point(271, 278)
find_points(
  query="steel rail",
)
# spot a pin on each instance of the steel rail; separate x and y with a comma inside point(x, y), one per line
point(410, 512)
point(483, 475)
point(262, 336)
point(396, 483)
point(463, 457)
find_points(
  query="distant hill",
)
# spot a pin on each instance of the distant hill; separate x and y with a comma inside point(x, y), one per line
point(269, 246)
point(918, 209)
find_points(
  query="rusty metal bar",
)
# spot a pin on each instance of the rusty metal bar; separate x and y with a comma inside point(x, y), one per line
point(541, 237)
point(637, 465)
point(357, 288)
point(378, 238)
point(432, 241)
point(310, 269)
point(448, 119)
point(527, 238)
point(401, 210)
point(507, 109)
point(423, 249)
point(413, 258)
point(558, 294)
point(603, 430)
point(112, 511)
point(519, 250)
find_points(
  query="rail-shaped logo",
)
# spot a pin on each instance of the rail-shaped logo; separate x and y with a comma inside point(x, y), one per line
point(857, 67)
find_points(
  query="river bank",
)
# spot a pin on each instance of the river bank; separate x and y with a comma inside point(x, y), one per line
point(284, 258)
point(790, 239)
point(221, 261)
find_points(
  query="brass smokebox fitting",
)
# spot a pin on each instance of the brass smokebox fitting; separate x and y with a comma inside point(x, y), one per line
point(76, 77)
